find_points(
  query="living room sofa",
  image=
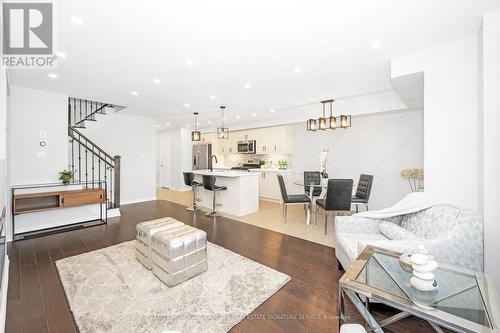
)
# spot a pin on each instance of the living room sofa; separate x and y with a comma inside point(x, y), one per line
point(452, 235)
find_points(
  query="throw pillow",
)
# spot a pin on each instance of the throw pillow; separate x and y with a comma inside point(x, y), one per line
point(395, 232)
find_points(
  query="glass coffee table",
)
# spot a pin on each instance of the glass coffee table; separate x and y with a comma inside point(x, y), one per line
point(460, 303)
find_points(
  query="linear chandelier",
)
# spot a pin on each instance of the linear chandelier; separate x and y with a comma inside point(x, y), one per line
point(222, 132)
point(195, 135)
point(332, 122)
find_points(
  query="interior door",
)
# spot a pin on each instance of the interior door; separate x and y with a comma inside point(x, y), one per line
point(164, 166)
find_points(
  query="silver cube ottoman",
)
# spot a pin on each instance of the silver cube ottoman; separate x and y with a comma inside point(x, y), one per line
point(145, 231)
point(179, 254)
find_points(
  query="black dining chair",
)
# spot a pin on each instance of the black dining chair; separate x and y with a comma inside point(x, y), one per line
point(312, 178)
point(363, 191)
point(338, 198)
point(293, 199)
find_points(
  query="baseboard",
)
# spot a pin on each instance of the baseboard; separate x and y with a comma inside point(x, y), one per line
point(138, 200)
point(114, 212)
point(5, 287)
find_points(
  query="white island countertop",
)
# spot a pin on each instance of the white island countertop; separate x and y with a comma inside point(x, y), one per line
point(225, 173)
point(241, 196)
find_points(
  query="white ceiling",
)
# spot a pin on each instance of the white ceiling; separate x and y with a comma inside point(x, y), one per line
point(125, 44)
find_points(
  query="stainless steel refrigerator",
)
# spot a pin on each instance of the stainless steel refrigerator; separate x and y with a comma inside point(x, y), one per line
point(202, 156)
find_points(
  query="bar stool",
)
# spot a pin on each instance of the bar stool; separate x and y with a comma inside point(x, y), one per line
point(209, 184)
point(189, 181)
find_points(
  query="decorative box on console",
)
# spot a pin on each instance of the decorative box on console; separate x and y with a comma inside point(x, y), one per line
point(145, 231)
point(179, 254)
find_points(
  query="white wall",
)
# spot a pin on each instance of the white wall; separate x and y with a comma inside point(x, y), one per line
point(489, 105)
point(450, 118)
point(180, 156)
point(133, 138)
point(381, 145)
point(32, 112)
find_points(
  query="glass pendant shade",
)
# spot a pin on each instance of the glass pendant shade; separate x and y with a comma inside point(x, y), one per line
point(345, 121)
point(222, 133)
point(322, 123)
point(195, 136)
point(333, 123)
point(311, 125)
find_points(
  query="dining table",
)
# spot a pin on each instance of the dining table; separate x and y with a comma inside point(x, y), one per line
point(312, 186)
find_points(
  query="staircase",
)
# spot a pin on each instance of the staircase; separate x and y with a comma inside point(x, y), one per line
point(88, 162)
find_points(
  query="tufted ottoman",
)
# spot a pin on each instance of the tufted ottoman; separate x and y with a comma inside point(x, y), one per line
point(145, 231)
point(179, 254)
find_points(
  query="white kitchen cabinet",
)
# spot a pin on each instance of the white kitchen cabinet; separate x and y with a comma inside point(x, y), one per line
point(269, 140)
point(269, 189)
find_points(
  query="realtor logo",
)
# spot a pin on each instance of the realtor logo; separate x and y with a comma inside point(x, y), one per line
point(28, 28)
point(28, 37)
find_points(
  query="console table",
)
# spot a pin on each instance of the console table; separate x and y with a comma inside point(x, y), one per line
point(45, 197)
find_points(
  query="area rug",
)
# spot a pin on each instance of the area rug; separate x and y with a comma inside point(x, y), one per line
point(108, 290)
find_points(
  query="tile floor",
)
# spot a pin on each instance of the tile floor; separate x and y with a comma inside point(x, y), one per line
point(269, 217)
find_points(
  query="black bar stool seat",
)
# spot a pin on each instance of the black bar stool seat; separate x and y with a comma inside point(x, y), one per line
point(189, 181)
point(209, 184)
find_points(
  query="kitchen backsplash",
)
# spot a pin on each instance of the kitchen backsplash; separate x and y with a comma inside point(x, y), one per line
point(271, 160)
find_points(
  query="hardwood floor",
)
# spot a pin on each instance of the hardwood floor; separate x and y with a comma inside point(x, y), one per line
point(37, 302)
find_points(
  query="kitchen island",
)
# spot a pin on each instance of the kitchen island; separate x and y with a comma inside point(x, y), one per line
point(241, 197)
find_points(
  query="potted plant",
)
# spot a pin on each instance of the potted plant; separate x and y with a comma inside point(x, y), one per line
point(415, 178)
point(66, 176)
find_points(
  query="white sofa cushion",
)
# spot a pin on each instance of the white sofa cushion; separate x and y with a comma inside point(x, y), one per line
point(349, 242)
point(395, 232)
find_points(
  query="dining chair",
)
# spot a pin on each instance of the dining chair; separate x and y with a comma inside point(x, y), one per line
point(363, 191)
point(293, 199)
point(312, 178)
point(337, 200)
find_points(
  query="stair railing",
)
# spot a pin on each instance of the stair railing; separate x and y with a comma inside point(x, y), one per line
point(87, 161)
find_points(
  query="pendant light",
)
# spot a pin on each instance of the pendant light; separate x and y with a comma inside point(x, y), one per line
point(222, 132)
point(345, 121)
point(195, 135)
point(322, 120)
point(333, 124)
point(311, 125)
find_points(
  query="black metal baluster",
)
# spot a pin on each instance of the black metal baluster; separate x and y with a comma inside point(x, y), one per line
point(86, 168)
point(93, 156)
point(79, 160)
point(111, 185)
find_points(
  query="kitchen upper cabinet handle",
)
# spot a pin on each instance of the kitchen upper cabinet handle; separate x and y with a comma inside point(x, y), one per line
point(275, 148)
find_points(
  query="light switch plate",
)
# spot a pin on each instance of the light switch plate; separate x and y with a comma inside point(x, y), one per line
point(41, 154)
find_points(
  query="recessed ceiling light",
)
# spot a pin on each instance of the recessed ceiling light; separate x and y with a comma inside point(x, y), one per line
point(209, 121)
point(61, 54)
point(157, 125)
point(212, 96)
point(77, 20)
point(375, 44)
point(237, 117)
point(53, 76)
point(189, 63)
point(224, 119)
point(272, 110)
point(297, 70)
point(254, 114)
point(248, 86)
point(157, 81)
point(167, 123)
point(186, 105)
point(134, 93)
point(187, 125)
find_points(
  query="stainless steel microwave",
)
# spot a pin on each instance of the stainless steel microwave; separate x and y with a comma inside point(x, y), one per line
point(246, 147)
